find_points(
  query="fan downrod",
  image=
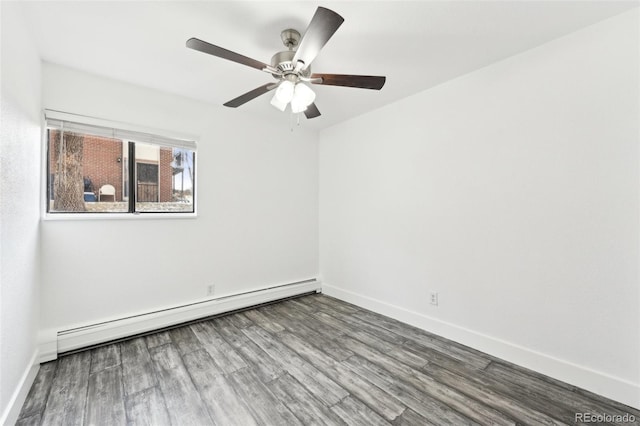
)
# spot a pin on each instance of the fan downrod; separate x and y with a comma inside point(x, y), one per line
point(283, 61)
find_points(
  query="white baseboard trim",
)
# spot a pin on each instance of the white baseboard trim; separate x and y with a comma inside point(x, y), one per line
point(12, 410)
point(597, 382)
point(93, 334)
point(47, 345)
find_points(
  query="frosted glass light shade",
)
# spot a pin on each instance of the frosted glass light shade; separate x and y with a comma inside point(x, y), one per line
point(297, 106)
point(285, 92)
point(278, 103)
point(303, 94)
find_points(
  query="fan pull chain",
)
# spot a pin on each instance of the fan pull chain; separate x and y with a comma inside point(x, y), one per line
point(292, 120)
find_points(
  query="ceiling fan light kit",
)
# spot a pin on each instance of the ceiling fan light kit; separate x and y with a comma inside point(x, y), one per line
point(298, 94)
point(292, 68)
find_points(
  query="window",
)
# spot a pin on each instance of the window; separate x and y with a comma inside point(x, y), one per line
point(96, 167)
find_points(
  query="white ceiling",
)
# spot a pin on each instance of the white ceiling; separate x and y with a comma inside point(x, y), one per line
point(415, 44)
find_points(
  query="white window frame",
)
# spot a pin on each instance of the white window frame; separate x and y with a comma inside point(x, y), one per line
point(127, 132)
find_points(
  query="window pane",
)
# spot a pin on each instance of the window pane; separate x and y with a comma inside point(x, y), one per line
point(85, 173)
point(164, 179)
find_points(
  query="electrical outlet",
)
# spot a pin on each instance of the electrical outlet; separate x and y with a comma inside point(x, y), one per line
point(211, 289)
point(434, 298)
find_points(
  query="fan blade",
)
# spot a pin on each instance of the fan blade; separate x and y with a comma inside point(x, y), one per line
point(243, 99)
point(312, 111)
point(323, 25)
point(360, 81)
point(203, 46)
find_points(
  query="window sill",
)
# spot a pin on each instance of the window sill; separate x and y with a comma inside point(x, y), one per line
point(117, 216)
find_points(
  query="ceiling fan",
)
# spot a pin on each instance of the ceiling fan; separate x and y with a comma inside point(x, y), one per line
point(292, 68)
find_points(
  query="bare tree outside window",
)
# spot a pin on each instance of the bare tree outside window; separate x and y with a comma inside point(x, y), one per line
point(69, 183)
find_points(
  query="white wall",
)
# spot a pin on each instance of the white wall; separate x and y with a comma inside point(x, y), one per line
point(19, 211)
point(257, 207)
point(513, 193)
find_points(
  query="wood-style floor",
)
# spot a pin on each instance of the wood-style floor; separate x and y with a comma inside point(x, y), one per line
point(310, 360)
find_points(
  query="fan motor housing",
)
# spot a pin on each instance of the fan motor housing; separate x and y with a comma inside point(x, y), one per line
point(283, 61)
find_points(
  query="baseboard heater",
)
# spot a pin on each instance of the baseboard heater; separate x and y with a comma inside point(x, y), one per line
point(84, 337)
